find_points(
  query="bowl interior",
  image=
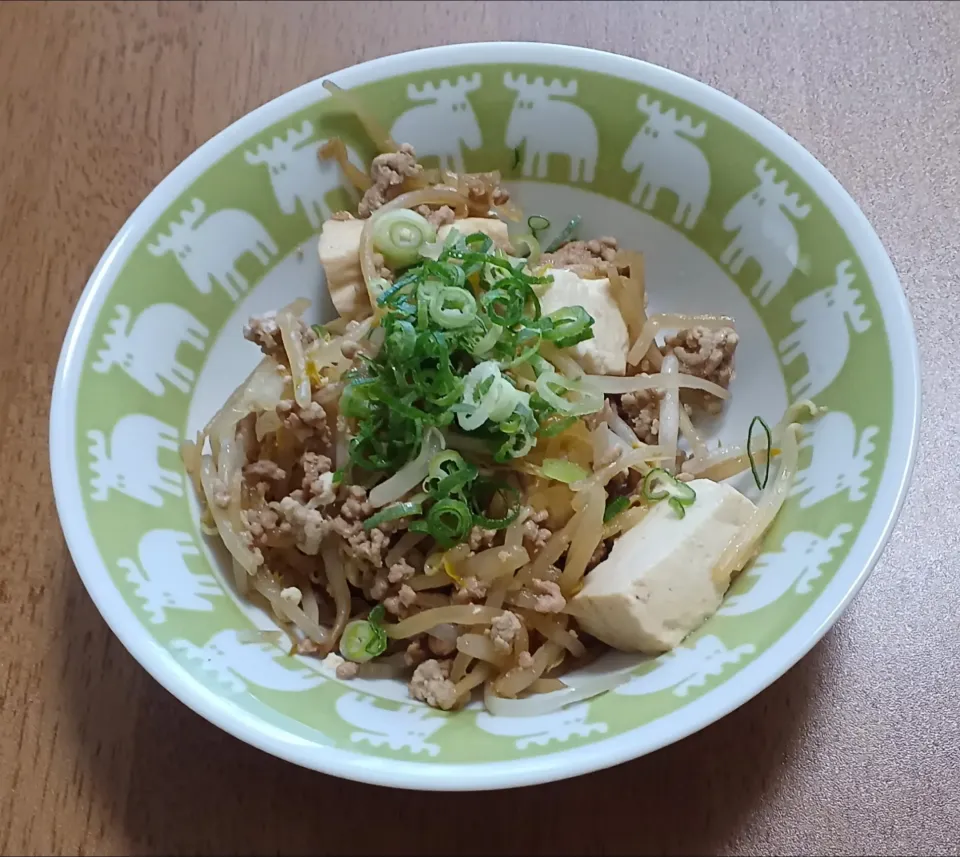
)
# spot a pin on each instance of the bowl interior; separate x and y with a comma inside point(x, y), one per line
point(729, 222)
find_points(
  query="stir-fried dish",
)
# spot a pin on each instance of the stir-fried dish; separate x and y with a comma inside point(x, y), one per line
point(488, 469)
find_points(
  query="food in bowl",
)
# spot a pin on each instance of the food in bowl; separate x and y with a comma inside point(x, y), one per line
point(488, 469)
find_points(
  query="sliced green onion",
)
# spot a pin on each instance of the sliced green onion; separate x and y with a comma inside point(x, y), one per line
point(589, 399)
point(753, 464)
point(537, 223)
point(660, 485)
point(615, 507)
point(555, 424)
point(392, 513)
point(487, 341)
point(449, 522)
point(399, 235)
point(321, 332)
point(527, 248)
point(567, 326)
point(566, 235)
point(561, 470)
point(337, 477)
point(364, 639)
point(503, 307)
point(453, 308)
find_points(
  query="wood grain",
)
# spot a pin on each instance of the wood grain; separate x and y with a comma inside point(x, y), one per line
point(855, 750)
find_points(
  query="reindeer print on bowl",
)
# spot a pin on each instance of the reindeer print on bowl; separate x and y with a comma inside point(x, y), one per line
point(795, 566)
point(404, 727)
point(449, 107)
point(822, 337)
point(238, 665)
point(132, 465)
point(164, 581)
point(299, 176)
point(686, 667)
point(765, 233)
point(668, 160)
point(147, 349)
point(208, 248)
point(537, 115)
point(560, 726)
point(839, 461)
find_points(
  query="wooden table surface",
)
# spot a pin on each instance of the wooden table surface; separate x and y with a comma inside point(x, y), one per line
point(856, 750)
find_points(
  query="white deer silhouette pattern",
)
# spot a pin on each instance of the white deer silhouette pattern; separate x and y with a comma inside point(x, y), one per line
point(236, 664)
point(822, 336)
point(147, 349)
point(131, 464)
point(163, 579)
point(668, 160)
point(839, 460)
point(537, 114)
point(795, 566)
point(686, 668)
point(765, 233)
point(447, 108)
point(297, 173)
point(208, 248)
point(559, 725)
point(404, 728)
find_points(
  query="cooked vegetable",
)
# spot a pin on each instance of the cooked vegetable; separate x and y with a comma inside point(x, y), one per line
point(761, 483)
point(658, 485)
point(364, 639)
point(399, 236)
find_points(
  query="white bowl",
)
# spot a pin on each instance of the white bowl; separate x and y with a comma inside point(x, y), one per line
point(734, 217)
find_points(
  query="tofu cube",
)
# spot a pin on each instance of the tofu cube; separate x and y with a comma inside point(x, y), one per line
point(606, 353)
point(658, 584)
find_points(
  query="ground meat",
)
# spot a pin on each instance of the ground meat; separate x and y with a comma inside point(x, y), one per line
point(349, 349)
point(388, 172)
point(481, 538)
point(525, 660)
point(431, 684)
point(377, 587)
point(642, 411)
point(263, 330)
point(482, 195)
point(264, 471)
point(706, 353)
point(347, 670)
point(317, 478)
point(442, 216)
point(470, 590)
point(441, 648)
point(305, 422)
point(309, 526)
point(400, 604)
point(534, 535)
point(355, 506)
point(400, 571)
point(503, 631)
point(263, 528)
point(414, 653)
point(582, 256)
point(549, 599)
point(368, 546)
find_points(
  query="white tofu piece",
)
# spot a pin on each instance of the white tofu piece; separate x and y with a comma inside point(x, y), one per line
point(658, 584)
point(606, 353)
point(339, 250)
point(493, 227)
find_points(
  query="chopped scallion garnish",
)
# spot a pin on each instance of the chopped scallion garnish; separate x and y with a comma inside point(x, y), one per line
point(364, 639)
point(761, 484)
point(659, 485)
